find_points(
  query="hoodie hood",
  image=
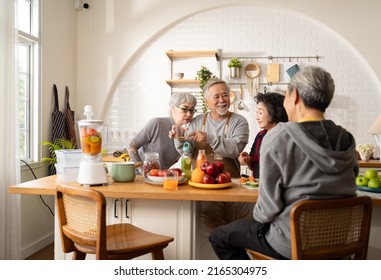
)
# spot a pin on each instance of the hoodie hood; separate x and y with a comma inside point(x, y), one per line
point(331, 148)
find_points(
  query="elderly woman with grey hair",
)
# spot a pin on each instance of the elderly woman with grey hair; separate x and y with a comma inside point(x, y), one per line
point(219, 131)
point(153, 137)
point(308, 157)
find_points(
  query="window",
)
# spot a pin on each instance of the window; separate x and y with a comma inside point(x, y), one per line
point(29, 77)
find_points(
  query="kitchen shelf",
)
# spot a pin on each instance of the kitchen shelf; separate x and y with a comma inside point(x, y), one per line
point(193, 54)
point(174, 56)
point(182, 82)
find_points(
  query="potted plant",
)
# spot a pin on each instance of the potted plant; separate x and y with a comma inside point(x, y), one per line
point(58, 144)
point(204, 75)
point(234, 65)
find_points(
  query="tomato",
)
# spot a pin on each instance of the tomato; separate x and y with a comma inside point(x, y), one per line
point(161, 173)
point(154, 172)
point(92, 132)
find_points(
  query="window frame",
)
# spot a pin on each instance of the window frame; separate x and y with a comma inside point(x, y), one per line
point(33, 97)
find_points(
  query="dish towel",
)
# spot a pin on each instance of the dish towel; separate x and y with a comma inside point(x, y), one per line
point(292, 70)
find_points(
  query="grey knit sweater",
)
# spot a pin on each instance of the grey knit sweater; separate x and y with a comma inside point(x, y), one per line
point(153, 137)
point(309, 160)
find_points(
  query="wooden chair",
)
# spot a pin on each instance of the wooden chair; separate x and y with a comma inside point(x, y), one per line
point(82, 222)
point(329, 229)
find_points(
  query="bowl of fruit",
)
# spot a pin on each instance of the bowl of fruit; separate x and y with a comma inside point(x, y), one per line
point(157, 175)
point(211, 175)
point(369, 181)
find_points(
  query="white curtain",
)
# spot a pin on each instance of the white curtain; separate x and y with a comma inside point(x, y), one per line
point(10, 221)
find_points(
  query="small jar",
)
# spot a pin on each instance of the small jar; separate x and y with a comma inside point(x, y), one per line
point(151, 161)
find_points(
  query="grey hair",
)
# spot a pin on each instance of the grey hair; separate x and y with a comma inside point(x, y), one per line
point(212, 82)
point(179, 98)
point(315, 87)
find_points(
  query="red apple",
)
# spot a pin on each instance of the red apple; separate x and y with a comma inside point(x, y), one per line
point(228, 174)
point(222, 178)
point(178, 170)
point(208, 179)
point(220, 165)
point(213, 170)
point(204, 165)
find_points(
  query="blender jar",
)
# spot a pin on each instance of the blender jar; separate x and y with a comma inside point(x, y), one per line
point(90, 132)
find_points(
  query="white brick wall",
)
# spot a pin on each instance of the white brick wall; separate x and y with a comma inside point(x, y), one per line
point(143, 93)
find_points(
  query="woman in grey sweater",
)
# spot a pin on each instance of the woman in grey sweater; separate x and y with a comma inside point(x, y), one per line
point(307, 158)
point(153, 137)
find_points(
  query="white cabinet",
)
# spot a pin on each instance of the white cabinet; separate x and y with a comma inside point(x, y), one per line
point(167, 217)
point(118, 211)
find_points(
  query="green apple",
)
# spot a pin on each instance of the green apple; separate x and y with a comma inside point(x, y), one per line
point(362, 181)
point(374, 183)
point(371, 173)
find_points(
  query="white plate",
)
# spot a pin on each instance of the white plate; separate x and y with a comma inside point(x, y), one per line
point(159, 179)
point(160, 183)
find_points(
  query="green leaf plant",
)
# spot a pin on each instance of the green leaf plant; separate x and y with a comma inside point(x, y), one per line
point(204, 75)
point(58, 144)
point(234, 62)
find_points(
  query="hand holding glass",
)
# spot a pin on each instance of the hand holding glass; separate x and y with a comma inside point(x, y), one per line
point(179, 132)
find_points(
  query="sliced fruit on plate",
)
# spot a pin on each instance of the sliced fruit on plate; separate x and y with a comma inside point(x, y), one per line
point(252, 184)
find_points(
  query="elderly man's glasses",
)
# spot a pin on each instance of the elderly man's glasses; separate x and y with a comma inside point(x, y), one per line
point(186, 110)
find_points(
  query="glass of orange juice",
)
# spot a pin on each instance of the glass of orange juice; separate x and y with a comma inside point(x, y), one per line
point(170, 180)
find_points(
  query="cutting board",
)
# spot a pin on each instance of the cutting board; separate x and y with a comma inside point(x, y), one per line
point(272, 72)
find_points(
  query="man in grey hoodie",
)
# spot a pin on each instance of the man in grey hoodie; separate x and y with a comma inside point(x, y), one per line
point(307, 158)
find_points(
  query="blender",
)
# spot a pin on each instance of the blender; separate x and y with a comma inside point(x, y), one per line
point(92, 171)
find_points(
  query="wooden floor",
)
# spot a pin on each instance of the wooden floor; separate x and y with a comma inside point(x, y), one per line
point(46, 253)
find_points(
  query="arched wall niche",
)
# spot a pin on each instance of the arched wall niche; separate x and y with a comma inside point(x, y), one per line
point(140, 91)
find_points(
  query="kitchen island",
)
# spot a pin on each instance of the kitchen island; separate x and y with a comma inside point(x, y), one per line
point(151, 207)
point(168, 212)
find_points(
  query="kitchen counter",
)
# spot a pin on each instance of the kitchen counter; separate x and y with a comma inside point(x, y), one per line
point(173, 209)
point(140, 189)
point(373, 163)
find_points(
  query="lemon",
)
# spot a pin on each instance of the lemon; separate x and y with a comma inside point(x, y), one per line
point(94, 139)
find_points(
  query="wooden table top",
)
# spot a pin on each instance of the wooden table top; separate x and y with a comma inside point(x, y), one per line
point(142, 190)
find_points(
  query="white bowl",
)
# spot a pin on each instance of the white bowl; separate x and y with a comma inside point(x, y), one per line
point(179, 75)
point(159, 179)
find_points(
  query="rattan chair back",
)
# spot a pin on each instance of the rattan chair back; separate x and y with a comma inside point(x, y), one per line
point(82, 222)
point(329, 229)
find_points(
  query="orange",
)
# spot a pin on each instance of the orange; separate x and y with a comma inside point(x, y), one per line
point(197, 175)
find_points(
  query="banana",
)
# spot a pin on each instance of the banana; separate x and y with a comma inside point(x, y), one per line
point(125, 156)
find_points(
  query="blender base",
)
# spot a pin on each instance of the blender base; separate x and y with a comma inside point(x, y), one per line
point(92, 174)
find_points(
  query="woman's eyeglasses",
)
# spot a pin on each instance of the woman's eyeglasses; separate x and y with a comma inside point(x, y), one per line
point(186, 110)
